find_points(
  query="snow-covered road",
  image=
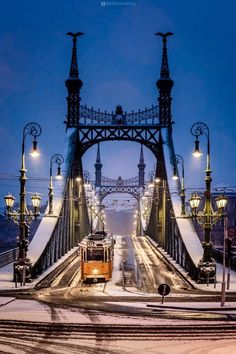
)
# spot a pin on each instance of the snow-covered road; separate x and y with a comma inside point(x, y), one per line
point(62, 331)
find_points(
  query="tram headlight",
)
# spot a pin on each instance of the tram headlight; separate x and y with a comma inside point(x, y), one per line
point(95, 271)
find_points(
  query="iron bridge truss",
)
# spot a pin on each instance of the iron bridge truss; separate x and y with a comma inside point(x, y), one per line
point(142, 127)
point(129, 186)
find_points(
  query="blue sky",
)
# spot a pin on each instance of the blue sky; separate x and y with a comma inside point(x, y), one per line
point(119, 63)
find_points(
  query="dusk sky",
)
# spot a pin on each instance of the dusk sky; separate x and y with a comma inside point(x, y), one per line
point(119, 63)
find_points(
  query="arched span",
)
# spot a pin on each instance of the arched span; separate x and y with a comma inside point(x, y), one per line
point(90, 136)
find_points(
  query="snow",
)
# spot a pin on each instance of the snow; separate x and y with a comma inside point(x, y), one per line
point(185, 225)
point(48, 223)
point(43, 312)
point(116, 273)
point(6, 300)
point(31, 310)
point(6, 273)
point(72, 342)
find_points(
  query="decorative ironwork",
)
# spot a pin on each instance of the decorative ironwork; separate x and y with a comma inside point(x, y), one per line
point(74, 72)
point(164, 84)
point(130, 186)
point(92, 116)
point(164, 67)
point(73, 84)
point(147, 135)
point(106, 190)
point(125, 182)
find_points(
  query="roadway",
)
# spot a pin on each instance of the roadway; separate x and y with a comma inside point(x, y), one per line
point(138, 271)
point(126, 337)
point(152, 270)
point(123, 316)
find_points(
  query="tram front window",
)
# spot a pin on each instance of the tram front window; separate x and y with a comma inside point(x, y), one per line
point(95, 255)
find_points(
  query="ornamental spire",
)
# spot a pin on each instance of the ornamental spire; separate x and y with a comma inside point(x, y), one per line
point(98, 169)
point(73, 84)
point(164, 85)
point(141, 169)
point(141, 159)
point(164, 66)
point(74, 72)
point(98, 160)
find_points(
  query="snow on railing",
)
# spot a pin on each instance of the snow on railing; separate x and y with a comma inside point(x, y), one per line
point(186, 229)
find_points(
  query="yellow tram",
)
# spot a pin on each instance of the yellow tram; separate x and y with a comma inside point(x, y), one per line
point(96, 253)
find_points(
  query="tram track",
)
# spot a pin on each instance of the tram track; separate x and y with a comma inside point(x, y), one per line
point(59, 331)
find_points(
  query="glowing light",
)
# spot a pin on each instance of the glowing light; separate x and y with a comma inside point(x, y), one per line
point(34, 152)
point(59, 176)
point(221, 202)
point(36, 200)
point(197, 152)
point(9, 200)
point(194, 201)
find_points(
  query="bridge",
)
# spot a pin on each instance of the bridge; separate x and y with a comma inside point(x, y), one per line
point(77, 211)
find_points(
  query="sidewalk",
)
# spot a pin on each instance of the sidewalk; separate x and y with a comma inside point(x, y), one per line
point(203, 287)
point(6, 274)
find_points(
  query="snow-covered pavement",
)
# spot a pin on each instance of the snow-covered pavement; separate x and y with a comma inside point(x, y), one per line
point(23, 338)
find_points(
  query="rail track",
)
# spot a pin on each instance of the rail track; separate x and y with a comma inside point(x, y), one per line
point(27, 329)
point(60, 338)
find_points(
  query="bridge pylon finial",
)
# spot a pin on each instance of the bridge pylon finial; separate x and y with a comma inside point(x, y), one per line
point(165, 73)
point(74, 72)
point(141, 169)
point(98, 169)
point(73, 84)
point(164, 84)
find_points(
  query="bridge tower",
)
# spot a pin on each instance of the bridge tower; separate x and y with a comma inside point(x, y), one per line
point(159, 225)
point(98, 169)
point(141, 169)
point(164, 85)
point(80, 219)
point(73, 85)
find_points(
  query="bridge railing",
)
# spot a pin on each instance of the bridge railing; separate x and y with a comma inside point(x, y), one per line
point(8, 257)
point(149, 116)
point(182, 241)
point(55, 235)
point(217, 254)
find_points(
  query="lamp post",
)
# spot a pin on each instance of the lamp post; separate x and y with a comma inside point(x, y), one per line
point(179, 160)
point(223, 269)
point(208, 217)
point(23, 217)
point(55, 159)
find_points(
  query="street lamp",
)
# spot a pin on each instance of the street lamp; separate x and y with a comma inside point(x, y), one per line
point(179, 160)
point(23, 217)
point(55, 159)
point(208, 217)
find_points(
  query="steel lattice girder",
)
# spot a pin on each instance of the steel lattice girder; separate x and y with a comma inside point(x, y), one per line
point(146, 135)
point(106, 190)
